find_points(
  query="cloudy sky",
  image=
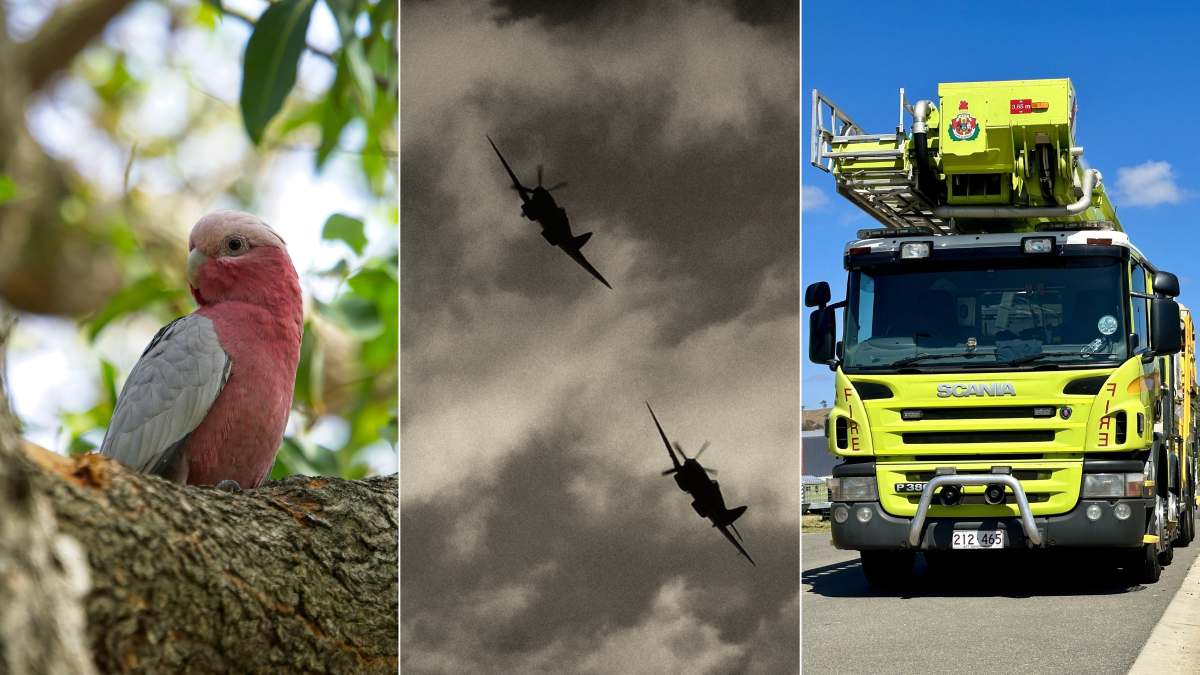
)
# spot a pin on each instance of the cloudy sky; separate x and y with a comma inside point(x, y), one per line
point(537, 534)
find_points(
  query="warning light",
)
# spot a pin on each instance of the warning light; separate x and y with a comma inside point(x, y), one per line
point(1040, 105)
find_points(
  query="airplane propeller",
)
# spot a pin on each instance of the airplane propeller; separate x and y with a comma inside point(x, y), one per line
point(679, 449)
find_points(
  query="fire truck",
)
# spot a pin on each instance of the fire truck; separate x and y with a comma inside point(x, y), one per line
point(1011, 371)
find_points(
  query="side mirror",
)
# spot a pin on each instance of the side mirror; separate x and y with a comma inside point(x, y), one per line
point(1166, 284)
point(1166, 337)
point(822, 333)
point(817, 295)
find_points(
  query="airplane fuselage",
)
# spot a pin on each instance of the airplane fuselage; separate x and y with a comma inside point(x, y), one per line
point(543, 210)
point(692, 479)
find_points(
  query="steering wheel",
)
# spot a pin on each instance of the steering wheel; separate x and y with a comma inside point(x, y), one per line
point(917, 325)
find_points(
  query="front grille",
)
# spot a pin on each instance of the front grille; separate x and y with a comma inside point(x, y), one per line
point(978, 457)
point(1020, 474)
point(977, 413)
point(977, 500)
point(952, 437)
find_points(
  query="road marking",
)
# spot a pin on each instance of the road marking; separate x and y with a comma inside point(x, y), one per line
point(1174, 644)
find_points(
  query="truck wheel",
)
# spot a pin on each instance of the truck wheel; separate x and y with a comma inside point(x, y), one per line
point(1167, 555)
point(1188, 521)
point(939, 561)
point(887, 569)
point(1141, 565)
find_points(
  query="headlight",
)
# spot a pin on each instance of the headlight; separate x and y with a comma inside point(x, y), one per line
point(914, 249)
point(852, 489)
point(1112, 485)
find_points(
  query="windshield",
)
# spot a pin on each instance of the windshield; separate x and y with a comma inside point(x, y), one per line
point(986, 314)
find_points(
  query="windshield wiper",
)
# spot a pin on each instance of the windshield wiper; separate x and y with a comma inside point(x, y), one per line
point(922, 357)
point(1033, 357)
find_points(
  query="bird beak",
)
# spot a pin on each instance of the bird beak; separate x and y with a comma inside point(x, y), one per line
point(195, 260)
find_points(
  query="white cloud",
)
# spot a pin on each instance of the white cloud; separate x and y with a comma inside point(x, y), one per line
point(812, 198)
point(671, 640)
point(1148, 184)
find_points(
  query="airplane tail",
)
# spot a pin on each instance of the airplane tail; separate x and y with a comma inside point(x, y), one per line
point(581, 239)
point(733, 514)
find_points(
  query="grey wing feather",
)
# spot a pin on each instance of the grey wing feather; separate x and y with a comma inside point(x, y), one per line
point(167, 395)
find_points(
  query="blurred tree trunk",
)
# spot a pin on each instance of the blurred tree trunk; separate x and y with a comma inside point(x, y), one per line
point(42, 259)
point(43, 576)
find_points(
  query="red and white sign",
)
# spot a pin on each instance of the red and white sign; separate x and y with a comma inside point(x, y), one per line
point(1021, 106)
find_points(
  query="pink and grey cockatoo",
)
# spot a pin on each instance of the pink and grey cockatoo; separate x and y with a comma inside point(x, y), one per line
point(209, 399)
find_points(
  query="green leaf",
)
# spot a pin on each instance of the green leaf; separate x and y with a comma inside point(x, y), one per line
point(364, 77)
point(375, 284)
point(142, 293)
point(390, 432)
point(291, 461)
point(335, 114)
point(338, 270)
point(354, 313)
point(216, 4)
point(8, 189)
point(272, 56)
point(346, 229)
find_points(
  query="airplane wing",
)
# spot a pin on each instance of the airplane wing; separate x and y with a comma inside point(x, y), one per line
point(725, 531)
point(516, 183)
point(577, 256)
point(674, 459)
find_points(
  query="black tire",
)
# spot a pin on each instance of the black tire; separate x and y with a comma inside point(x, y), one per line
point(887, 570)
point(1141, 565)
point(1187, 520)
point(1185, 534)
point(1167, 556)
point(939, 561)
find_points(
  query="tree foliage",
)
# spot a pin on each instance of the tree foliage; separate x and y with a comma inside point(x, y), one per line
point(348, 367)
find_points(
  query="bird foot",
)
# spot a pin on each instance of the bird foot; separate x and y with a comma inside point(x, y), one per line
point(229, 486)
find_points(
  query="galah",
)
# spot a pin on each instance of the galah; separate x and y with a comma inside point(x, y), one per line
point(208, 400)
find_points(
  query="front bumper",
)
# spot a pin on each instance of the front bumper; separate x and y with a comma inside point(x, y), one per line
point(1071, 529)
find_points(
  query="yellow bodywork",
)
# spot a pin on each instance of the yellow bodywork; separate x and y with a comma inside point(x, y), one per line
point(1049, 470)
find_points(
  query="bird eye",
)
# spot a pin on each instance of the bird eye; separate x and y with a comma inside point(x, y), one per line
point(235, 245)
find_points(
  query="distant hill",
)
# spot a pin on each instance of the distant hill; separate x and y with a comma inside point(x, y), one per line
point(814, 420)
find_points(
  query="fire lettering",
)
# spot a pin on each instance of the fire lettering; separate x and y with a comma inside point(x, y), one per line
point(1103, 440)
point(1106, 404)
point(854, 443)
point(1112, 388)
point(846, 393)
point(1104, 422)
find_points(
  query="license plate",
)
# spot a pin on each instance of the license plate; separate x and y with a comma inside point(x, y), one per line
point(973, 539)
point(910, 487)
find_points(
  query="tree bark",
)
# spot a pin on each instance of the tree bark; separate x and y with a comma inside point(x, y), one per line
point(297, 576)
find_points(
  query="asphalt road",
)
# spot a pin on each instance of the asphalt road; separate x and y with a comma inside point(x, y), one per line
point(1022, 613)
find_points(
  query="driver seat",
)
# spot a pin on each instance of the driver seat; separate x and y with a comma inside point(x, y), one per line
point(937, 310)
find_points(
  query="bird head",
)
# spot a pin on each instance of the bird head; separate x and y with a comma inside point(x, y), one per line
point(234, 256)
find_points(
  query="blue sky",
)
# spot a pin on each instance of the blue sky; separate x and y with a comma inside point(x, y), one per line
point(1136, 72)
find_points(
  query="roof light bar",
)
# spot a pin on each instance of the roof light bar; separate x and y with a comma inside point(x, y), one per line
point(885, 232)
point(1061, 226)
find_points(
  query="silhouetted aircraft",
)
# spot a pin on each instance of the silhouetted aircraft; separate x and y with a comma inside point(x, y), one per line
point(539, 207)
point(706, 493)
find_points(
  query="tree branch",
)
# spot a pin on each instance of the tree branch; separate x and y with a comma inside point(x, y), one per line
point(297, 576)
point(64, 35)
